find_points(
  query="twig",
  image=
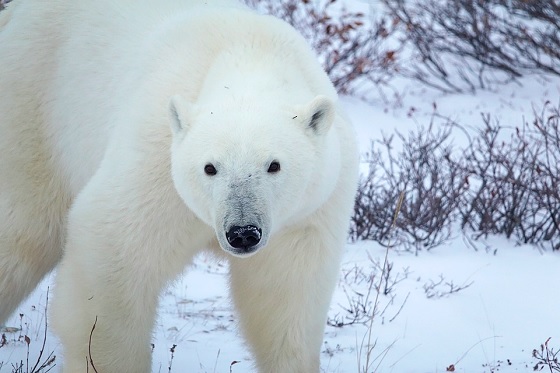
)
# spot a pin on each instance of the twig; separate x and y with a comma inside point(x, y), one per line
point(89, 346)
point(376, 303)
point(473, 346)
point(232, 364)
point(172, 349)
point(400, 309)
point(44, 335)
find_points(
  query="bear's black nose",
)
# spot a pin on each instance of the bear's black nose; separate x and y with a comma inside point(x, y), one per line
point(244, 237)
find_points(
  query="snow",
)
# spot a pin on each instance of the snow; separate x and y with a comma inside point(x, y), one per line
point(506, 306)
point(506, 311)
point(509, 306)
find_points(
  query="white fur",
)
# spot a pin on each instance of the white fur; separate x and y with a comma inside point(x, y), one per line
point(110, 112)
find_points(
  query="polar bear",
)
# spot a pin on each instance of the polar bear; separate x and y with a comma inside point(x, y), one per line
point(133, 136)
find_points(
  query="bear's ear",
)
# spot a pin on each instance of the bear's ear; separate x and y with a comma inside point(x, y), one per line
point(318, 115)
point(181, 115)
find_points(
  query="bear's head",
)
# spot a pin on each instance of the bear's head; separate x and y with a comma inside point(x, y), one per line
point(249, 171)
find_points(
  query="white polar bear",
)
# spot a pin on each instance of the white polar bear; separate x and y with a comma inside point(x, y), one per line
point(135, 134)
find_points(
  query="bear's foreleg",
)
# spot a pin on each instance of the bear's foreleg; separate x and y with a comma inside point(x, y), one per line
point(127, 238)
point(282, 294)
point(31, 226)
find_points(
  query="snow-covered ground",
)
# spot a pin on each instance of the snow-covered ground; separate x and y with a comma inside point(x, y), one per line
point(506, 305)
point(453, 308)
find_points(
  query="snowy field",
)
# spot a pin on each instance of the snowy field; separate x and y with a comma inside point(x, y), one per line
point(465, 306)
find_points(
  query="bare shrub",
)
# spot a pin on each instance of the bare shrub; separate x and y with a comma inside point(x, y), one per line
point(515, 176)
point(442, 288)
point(464, 45)
point(353, 49)
point(504, 182)
point(3, 3)
point(547, 358)
point(42, 365)
point(432, 184)
point(381, 278)
point(500, 199)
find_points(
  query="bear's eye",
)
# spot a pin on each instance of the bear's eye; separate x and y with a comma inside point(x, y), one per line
point(274, 167)
point(210, 170)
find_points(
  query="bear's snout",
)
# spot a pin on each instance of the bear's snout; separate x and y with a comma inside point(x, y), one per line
point(244, 238)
